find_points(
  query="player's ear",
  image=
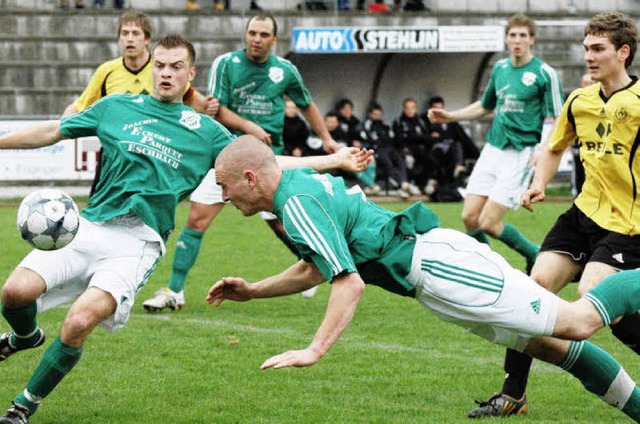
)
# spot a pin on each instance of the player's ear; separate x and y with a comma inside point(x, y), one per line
point(250, 178)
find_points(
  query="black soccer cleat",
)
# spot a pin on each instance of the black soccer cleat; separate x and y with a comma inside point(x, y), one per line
point(16, 414)
point(500, 405)
point(7, 349)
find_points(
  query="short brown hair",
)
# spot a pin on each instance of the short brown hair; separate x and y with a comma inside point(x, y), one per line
point(138, 18)
point(173, 41)
point(521, 20)
point(264, 16)
point(619, 28)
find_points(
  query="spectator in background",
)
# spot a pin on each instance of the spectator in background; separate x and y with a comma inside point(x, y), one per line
point(448, 141)
point(380, 137)
point(349, 123)
point(340, 136)
point(412, 137)
point(295, 131)
point(577, 171)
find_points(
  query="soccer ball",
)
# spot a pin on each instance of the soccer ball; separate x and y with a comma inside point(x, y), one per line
point(48, 219)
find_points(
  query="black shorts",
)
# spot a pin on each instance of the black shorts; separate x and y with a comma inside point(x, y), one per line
point(576, 235)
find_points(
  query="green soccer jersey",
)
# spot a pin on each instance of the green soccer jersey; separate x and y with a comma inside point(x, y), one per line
point(254, 90)
point(153, 155)
point(339, 230)
point(522, 98)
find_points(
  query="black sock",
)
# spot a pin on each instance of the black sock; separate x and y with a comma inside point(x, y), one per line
point(517, 366)
point(628, 331)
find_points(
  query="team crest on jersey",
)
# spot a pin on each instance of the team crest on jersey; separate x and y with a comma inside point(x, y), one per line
point(621, 114)
point(528, 78)
point(190, 120)
point(276, 74)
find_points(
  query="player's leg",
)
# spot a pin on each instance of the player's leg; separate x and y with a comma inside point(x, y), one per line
point(510, 182)
point(615, 252)
point(471, 210)
point(596, 369)
point(91, 308)
point(479, 187)
point(206, 204)
point(19, 308)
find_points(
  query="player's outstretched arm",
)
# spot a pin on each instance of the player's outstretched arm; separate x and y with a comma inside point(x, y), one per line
point(33, 136)
point(295, 279)
point(348, 159)
point(346, 291)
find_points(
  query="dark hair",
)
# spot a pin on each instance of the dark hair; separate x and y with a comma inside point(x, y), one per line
point(619, 28)
point(343, 102)
point(138, 18)
point(435, 99)
point(374, 106)
point(331, 114)
point(264, 16)
point(172, 41)
point(521, 20)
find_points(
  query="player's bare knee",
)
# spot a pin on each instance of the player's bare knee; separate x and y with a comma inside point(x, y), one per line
point(77, 325)
point(16, 291)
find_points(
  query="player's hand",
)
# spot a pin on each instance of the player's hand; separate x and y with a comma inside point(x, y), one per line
point(330, 146)
point(437, 116)
point(231, 288)
point(292, 358)
point(531, 196)
point(354, 160)
point(211, 106)
point(264, 136)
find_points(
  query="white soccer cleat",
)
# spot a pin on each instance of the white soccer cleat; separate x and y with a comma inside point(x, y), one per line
point(164, 298)
point(309, 293)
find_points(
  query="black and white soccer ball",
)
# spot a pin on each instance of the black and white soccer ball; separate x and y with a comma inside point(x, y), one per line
point(48, 219)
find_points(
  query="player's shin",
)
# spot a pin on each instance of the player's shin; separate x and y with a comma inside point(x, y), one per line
point(54, 365)
point(616, 295)
point(187, 250)
point(603, 376)
point(24, 323)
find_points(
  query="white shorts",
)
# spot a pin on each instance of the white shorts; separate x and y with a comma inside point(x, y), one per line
point(110, 256)
point(502, 175)
point(208, 192)
point(464, 282)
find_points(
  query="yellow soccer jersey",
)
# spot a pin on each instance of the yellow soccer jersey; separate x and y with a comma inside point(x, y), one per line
point(113, 77)
point(608, 132)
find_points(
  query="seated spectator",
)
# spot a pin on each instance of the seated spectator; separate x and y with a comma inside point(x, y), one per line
point(349, 123)
point(295, 131)
point(377, 135)
point(450, 147)
point(337, 133)
point(412, 136)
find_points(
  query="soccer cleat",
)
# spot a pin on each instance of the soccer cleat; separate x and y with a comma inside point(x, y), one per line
point(165, 298)
point(7, 349)
point(500, 405)
point(16, 414)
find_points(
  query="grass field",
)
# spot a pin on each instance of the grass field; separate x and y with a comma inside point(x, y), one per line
point(396, 363)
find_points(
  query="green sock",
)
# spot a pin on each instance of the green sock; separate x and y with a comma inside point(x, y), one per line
point(186, 254)
point(616, 295)
point(24, 324)
point(55, 364)
point(515, 240)
point(603, 376)
point(479, 235)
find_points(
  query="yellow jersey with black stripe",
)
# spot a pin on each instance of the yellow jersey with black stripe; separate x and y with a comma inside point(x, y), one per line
point(113, 77)
point(608, 133)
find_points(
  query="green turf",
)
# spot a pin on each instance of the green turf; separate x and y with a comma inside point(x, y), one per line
point(396, 363)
